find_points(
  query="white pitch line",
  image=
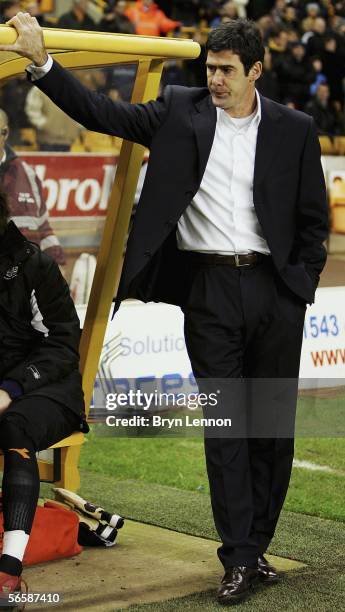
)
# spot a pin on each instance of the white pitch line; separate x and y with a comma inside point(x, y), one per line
point(308, 465)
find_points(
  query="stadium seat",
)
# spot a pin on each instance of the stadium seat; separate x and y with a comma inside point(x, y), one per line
point(339, 145)
point(93, 142)
point(327, 146)
point(28, 140)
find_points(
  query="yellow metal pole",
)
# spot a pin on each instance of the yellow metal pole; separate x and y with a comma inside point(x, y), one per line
point(75, 40)
point(110, 256)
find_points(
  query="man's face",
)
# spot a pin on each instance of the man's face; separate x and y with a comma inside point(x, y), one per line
point(226, 80)
point(331, 45)
point(81, 5)
point(320, 25)
point(120, 7)
point(298, 52)
point(323, 94)
point(230, 10)
point(12, 10)
point(33, 8)
point(290, 13)
point(283, 40)
point(317, 65)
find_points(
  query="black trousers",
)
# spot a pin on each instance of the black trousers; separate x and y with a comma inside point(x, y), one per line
point(42, 419)
point(244, 323)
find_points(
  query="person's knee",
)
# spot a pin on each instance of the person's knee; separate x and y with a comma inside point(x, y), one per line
point(12, 433)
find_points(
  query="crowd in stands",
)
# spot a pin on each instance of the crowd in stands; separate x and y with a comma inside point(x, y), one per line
point(304, 64)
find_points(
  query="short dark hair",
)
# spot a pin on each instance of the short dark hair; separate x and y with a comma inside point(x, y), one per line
point(240, 36)
point(4, 211)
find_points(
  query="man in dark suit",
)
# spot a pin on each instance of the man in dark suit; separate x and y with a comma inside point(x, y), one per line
point(230, 226)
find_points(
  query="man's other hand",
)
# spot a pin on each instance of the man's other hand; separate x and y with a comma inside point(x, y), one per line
point(5, 400)
point(30, 41)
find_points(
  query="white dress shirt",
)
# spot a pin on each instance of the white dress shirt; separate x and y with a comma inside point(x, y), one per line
point(221, 217)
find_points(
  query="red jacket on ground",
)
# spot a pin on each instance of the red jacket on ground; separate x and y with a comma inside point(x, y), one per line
point(150, 21)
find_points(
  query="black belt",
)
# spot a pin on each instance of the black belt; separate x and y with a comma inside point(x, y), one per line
point(236, 261)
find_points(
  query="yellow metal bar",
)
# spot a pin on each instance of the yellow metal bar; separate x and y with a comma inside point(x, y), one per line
point(69, 59)
point(79, 40)
point(110, 256)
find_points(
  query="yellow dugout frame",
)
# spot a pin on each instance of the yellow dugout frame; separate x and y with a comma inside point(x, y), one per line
point(79, 49)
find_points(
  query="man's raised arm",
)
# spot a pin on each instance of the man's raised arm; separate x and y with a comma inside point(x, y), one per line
point(96, 112)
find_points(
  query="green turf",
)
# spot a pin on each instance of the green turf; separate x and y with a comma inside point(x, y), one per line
point(176, 462)
point(317, 493)
point(180, 463)
point(321, 416)
point(323, 451)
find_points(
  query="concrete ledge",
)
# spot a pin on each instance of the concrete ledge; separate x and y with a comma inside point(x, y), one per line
point(148, 564)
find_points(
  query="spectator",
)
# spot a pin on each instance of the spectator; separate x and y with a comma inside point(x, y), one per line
point(319, 76)
point(149, 20)
point(241, 7)
point(339, 7)
point(295, 75)
point(8, 9)
point(33, 7)
point(268, 84)
point(312, 12)
point(278, 45)
point(258, 8)
point(278, 11)
point(324, 116)
point(228, 10)
point(114, 94)
point(12, 97)
point(290, 19)
point(334, 68)
point(77, 18)
point(188, 11)
point(55, 130)
point(293, 35)
point(265, 25)
point(24, 193)
point(115, 20)
point(316, 42)
point(338, 28)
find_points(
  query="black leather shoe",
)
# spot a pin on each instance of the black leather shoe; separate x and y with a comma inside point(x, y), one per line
point(267, 573)
point(236, 584)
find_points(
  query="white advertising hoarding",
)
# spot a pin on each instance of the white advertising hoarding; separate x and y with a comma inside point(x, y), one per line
point(145, 342)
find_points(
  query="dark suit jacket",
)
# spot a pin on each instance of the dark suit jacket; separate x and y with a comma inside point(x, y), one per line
point(178, 128)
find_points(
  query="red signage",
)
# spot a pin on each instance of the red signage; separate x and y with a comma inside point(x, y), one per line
point(74, 185)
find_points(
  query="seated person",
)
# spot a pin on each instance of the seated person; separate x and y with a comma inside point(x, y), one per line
point(41, 398)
